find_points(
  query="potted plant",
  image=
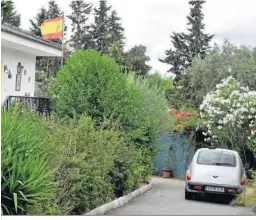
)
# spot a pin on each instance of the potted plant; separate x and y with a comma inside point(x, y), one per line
point(166, 170)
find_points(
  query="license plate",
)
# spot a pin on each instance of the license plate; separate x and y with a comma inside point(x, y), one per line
point(214, 189)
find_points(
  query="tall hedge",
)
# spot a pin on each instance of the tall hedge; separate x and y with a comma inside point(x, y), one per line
point(90, 82)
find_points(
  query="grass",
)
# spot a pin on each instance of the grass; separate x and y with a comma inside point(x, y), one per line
point(248, 197)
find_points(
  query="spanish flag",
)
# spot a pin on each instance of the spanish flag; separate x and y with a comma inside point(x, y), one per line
point(52, 28)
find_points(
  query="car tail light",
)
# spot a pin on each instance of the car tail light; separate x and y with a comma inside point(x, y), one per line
point(188, 175)
point(232, 190)
point(243, 180)
point(198, 187)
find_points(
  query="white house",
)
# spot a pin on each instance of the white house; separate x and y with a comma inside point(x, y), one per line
point(18, 60)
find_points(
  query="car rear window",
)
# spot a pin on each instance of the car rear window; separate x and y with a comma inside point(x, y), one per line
point(216, 158)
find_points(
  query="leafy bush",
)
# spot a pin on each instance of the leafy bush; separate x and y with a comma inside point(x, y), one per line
point(101, 144)
point(230, 114)
point(25, 177)
point(223, 61)
point(90, 82)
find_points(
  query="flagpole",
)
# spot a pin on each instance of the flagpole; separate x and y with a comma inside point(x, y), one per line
point(62, 47)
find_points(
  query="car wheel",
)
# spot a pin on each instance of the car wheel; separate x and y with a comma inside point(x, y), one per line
point(188, 195)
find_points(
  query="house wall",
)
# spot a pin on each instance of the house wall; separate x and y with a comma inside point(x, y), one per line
point(11, 58)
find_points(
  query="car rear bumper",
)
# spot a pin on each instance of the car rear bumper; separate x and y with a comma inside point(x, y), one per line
point(190, 188)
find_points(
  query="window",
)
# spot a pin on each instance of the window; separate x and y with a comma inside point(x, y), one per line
point(216, 158)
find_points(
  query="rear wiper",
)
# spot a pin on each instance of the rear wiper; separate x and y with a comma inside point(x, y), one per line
point(223, 164)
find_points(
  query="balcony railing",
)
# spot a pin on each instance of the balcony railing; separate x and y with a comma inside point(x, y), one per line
point(35, 104)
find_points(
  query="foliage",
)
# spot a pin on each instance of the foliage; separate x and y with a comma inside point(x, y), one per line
point(116, 30)
point(248, 197)
point(38, 20)
point(80, 37)
point(223, 61)
point(230, 113)
point(116, 51)
point(100, 27)
point(164, 84)
point(188, 46)
point(25, 177)
point(9, 14)
point(166, 163)
point(136, 60)
point(41, 83)
point(90, 158)
point(133, 167)
point(180, 120)
point(149, 117)
point(91, 83)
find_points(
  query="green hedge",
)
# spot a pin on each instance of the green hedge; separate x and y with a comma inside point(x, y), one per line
point(100, 145)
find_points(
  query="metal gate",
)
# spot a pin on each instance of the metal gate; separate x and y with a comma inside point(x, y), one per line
point(179, 151)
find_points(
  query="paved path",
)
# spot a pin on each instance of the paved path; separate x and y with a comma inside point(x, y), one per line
point(167, 198)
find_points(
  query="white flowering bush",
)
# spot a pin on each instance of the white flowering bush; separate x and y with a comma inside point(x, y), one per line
point(230, 114)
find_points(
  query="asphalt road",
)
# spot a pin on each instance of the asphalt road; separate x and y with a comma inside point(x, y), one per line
point(167, 198)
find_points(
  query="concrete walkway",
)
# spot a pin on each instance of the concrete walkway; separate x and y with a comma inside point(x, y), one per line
point(167, 198)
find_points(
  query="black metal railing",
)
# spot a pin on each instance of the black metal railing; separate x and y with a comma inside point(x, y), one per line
point(35, 104)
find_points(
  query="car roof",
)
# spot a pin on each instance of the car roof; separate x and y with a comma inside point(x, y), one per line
point(219, 149)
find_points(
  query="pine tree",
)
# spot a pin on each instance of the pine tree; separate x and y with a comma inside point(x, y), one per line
point(188, 46)
point(100, 29)
point(136, 59)
point(198, 42)
point(116, 30)
point(80, 37)
point(9, 14)
point(38, 20)
point(54, 10)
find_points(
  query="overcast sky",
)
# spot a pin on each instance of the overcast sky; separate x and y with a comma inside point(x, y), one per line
point(151, 22)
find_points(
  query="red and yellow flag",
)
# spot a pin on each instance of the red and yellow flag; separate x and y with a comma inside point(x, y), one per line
point(52, 28)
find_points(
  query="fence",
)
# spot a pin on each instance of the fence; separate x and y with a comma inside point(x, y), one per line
point(179, 151)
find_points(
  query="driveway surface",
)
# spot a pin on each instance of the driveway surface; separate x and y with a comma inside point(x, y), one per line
point(167, 198)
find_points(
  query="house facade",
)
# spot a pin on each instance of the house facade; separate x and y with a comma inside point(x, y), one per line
point(19, 50)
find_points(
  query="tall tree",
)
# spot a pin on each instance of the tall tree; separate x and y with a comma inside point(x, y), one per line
point(100, 28)
point(80, 37)
point(136, 59)
point(198, 41)
point(37, 21)
point(9, 14)
point(116, 51)
point(54, 10)
point(188, 46)
point(116, 30)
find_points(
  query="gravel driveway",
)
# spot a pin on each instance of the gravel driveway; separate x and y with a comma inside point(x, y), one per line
point(167, 198)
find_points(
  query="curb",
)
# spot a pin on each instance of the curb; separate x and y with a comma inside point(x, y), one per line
point(120, 201)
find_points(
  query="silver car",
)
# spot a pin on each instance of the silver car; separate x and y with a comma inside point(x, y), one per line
point(215, 171)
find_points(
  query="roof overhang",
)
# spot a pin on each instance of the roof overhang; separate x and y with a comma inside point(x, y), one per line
point(21, 41)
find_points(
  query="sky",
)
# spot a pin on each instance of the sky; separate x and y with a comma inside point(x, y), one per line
point(151, 22)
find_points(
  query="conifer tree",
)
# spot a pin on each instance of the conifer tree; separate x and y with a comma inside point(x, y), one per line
point(80, 37)
point(100, 28)
point(116, 30)
point(136, 59)
point(188, 46)
point(9, 14)
point(38, 20)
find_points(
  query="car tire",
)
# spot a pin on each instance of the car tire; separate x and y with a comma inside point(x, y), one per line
point(188, 195)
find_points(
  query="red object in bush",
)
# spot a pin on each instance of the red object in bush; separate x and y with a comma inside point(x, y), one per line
point(171, 106)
